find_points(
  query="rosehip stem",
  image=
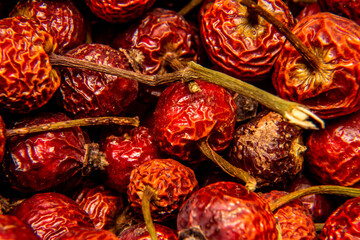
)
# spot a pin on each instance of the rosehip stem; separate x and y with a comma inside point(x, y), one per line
point(319, 227)
point(82, 122)
point(322, 189)
point(149, 194)
point(294, 112)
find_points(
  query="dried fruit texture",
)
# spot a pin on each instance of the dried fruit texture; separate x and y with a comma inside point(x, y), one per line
point(343, 223)
point(172, 182)
point(333, 153)
point(309, 9)
point(27, 80)
point(124, 153)
point(269, 148)
point(61, 19)
point(294, 219)
point(13, 229)
point(91, 94)
point(119, 11)
point(101, 204)
point(2, 139)
point(346, 8)
point(88, 234)
point(140, 232)
point(227, 210)
point(334, 90)
point(51, 214)
point(182, 117)
point(43, 161)
point(240, 42)
point(160, 35)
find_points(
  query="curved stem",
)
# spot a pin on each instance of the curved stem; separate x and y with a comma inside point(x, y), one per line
point(322, 189)
point(148, 195)
point(82, 122)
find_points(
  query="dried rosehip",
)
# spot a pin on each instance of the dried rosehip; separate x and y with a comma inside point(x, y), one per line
point(332, 90)
point(124, 153)
point(294, 219)
point(240, 42)
point(227, 210)
point(333, 153)
point(2, 139)
point(13, 229)
point(308, 10)
point(269, 148)
point(139, 232)
point(119, 11)
point(27, 79)
point(51, 214)
point(170, 181)
point(343, 223)
point(88, 234)
point(346, 8)
point(183, 117)
point(87, 93)
point(60, 18)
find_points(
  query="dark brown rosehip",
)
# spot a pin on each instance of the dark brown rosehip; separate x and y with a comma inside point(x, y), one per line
point(12, 228)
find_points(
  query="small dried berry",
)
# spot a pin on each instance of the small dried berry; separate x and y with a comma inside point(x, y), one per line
point(140, 232)
point(12, 228)
point(88, 234)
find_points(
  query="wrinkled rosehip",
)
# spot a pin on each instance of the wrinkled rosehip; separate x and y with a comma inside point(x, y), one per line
point(308, 10)
point(61, 19)
point(2, 139)
point(89, 94)
point(12, 228)
point(140, 232)
point(88, 234)
point(346, 8)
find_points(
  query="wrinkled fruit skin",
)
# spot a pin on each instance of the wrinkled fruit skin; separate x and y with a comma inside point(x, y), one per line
point(308, 10)
point(61, 19)
point(101, 204)
point(335, 91)
point(269, 148)
point(239, 43)
point(346, 8)
point(13, 229)
point(181, 118)
point(27, 79)
point(294, 219)
point(124, 153)
point(333, 153)
point(88, 234)
point(343, 223)
point(140, 232)
point(44, 161)
point(51, 214)
point(227, 210)
point(91, 94)
point(2, 139)
point(119, 11)
point(172, 182)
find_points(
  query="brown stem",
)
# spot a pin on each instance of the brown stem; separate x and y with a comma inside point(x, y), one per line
point(322, 189)
point(294, 112)
point(82, 122)
point(94, 159)
point(305, 52)
point(191, 5)
point(149, 194)
point(319, 227)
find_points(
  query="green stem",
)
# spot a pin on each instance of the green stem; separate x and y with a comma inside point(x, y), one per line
point(148, 195)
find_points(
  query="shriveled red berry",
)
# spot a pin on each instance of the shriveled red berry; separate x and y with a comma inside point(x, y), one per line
point(227, 210)
point(308, 10)
point(346, 8)
point(51, 214)
point(119, 11)
point(239, 41)
point(171, 181)
point(140, 232)
point(88, 234)
point(182, 118)
point(14, 229)
point(61, 19)
point(27, 79)
point(2, 139)
point(87, 93)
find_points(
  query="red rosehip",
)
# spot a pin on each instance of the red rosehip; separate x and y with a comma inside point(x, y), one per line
point(88, 234)
point(346, 8)
point(2, 139)
point(12, 228)
point(140, 232)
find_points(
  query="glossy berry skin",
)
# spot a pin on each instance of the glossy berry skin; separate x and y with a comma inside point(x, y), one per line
point(27, 80)
point(140, 232)
point(47, 160)
point(294, 219)
point(119, 11)
point(2, 139)
point(241, 43)
point(13, 229)
point(309, 9)
point(61, 19)
point(269, 148)
point(90, 94)
point(126, 152)
point(172, 182)
point(181, 118)
point(333, 91)
point(51, 214)
point(333, 153)
point(343, 223)
point(101, 204)
point(88, 234)
point(346, 8)
point(227, 210)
